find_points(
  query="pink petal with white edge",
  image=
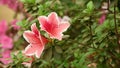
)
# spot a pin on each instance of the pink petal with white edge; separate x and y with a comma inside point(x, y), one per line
point(39, 51)
point(57, 32)
point(29, 50)
point(31, 37)
point(56, 36)
point(53, 18)
point(43, 22)
point(34, 49)
point(63, 26)
point(34, 29)
point(43, 39)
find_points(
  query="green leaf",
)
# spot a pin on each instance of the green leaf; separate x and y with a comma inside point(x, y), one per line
point(90, 5)
point(102, 45)
point(106, 24)
point(48, 54)
point(58, 49)
point(28, 1)
point(99, 29)
point(20, 23)
point(48, 3)
point(23, 1)
point(13, 56)
point(20, 55)
point(27, 59)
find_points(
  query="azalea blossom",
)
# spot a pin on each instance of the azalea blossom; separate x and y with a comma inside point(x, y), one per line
point(6, 57)
point(102, 18)
point(13, 4)
point(103, 12)
point(53, 25)
point(36, 40)
point(6, 42)
point(10, 3)
point(3, 28)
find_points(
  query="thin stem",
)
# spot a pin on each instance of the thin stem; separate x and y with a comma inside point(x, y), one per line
point(116, 31)
point(108, 4)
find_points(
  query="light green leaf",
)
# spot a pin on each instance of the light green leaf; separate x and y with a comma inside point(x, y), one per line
point(58, 49)
point(90, 6)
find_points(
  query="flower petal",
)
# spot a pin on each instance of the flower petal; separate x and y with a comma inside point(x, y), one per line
point(56, 36)
point(53, 18)
point(102, 18)
point(6, 53)
point(34, 29)
point(3, 27)
point(6, 57)
point(31, 37)
point(14, 24)
point(63, 26)
point(32, 49)
point(6, 42)
point(39, 51)
point(43, 23)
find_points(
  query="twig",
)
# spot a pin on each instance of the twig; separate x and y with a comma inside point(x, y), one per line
point(108, 5)
point(116, 31)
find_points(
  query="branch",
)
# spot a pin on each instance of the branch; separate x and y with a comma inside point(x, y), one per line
point(116, 31)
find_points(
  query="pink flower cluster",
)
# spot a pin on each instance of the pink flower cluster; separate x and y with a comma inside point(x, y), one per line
point(6, 58)
point(13, 4)
point(54, 28)
point(104, 13)
point(102, 18)
point(6, 43)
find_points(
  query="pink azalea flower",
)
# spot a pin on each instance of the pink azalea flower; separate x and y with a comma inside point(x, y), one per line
point(4, 1)
point(102, 18)
point(6, 42)
point(6, 57)
point(14, 25)
point(13, 4)
point(3, 27)
point(37, 42)
point(53, 26)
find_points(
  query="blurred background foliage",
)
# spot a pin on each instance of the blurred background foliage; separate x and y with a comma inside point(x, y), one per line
point(86, 44)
